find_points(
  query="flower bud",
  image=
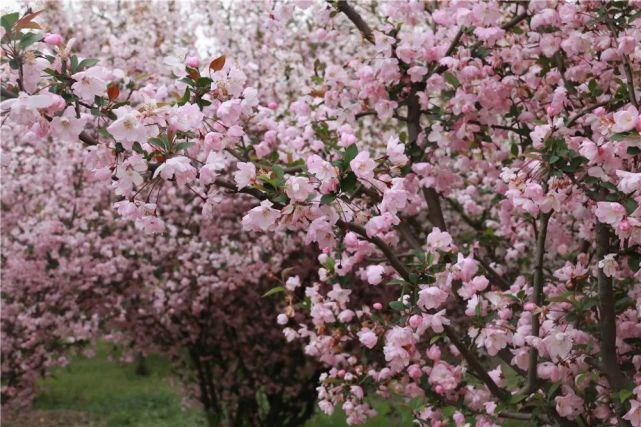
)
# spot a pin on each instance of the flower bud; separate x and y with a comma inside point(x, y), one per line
point(193, 61)
point(53, 39)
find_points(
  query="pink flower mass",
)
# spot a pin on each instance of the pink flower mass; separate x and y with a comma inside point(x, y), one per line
point(430, 204)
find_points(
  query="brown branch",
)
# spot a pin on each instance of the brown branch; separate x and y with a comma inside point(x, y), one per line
point(434, 209)
point(585, 111)
point(515, 21)
point(380, 244)
point(537, 298)
point(475, 364)
point(607, 318)
point(356, 19)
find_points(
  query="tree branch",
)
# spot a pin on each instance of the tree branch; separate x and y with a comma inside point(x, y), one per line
point(537, 298)
point(434, 209)
point(607, 318)
point(356, 19)
point(475, 364)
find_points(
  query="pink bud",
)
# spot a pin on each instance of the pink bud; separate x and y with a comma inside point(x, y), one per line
point(414, 371)
point(53, 39)
point(193, 61)
point(341, 373)
point(282, 319)
point(415, 321)
point(624, 225)
point(378, 306)
point(272, 105)
point(433, 353)
point(550, 110)
point(530, 306)
point(58, 105)
point(439, 389)
point(505, 314)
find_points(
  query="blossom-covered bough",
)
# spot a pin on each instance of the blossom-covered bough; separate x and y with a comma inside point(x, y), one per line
point(478, 160)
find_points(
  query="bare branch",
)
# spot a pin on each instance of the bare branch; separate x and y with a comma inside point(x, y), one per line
point(537, 298)
point(356, 19)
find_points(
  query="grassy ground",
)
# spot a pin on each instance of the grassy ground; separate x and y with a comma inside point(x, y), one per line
point(104, 393)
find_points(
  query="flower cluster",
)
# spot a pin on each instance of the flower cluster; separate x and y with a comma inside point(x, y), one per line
point(469, 174)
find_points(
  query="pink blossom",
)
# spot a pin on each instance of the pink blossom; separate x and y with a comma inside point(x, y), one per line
point(431, 298)
point(246, 174)
point(444, 375)
point(569, 405)
point(396, 152)
point(367, 338)
point(609, 212)
point(292, 283)
point(629, 182)
point(609, 265)
point(625, 120)
point(399, 345)
point(128, 128)
point(214, 164)
point(634, 414)
point(261, 218)
point(185, 118)
point(558, 345)
point(298, 188)
point(439, 240)
point(229, 112)
point(375, 274)
point(88, 85)
point(320, 231)
point(67, 127)
point(363, 166)
point(178, 167)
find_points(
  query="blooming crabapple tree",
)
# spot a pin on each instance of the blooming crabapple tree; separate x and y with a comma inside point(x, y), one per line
point(479, 159)
point(73, 271)
point(203, 305)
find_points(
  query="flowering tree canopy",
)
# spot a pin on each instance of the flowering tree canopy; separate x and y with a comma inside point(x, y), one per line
point(469, 174)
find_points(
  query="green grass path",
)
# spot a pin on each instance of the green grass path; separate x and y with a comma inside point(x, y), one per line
point(112, 394)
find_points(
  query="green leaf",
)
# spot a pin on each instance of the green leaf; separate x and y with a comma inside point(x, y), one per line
point(86, 63)
point(552, 390)
point(280, 174)
point(625, 394)
point(7, 21)
point(396, 282)
point(203, 82)
point(272, 291)
point(74, 63)
point(349, 155)
point(397, 305)
point(28, 39)
point(104, 132)
point(326, 199)
point(634, 261)
point(451, 79)
point(160, 142)
point(348, 183)
point(183, 146)
point(517, 398)
point(138, 148)
point(185, 97)
point(620, 136)
point(630, 205)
